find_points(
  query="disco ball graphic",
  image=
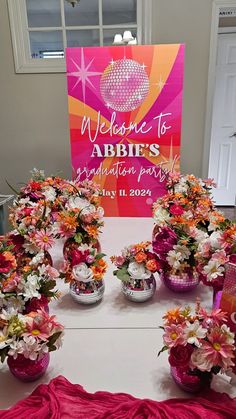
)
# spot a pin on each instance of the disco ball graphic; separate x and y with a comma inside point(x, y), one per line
point(124, 85)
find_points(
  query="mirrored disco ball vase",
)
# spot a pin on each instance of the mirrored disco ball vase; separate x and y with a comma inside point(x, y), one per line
point(124, 85)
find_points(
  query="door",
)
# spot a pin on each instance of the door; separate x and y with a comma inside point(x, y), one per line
point(222, 163)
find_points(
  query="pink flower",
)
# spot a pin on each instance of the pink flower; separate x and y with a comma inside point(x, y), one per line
point(173, 336)
point(220, 256)
point(119, 261)
point(90, 259)
point(51, 272)
point(214, 352)
point(44, 239)
point(79, 257)
point(215, 318)
point(176, 209)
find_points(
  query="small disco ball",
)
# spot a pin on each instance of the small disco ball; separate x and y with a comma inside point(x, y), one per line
point(124, 85)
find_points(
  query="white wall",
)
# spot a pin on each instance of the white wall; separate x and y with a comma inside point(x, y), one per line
point(33, 107)
point(188, 21)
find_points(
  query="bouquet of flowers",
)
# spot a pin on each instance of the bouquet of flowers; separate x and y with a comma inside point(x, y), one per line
point(199, 344)
point(52, 207)
point(136, 264)
point(184, 217)
point(30, 336)
point(214, 252)
point(86, 269)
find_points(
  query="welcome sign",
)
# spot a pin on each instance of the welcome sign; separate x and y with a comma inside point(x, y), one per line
point(125, 107)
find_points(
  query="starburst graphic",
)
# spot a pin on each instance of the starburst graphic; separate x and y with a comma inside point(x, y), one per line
point(83, 74)
point(160, 84)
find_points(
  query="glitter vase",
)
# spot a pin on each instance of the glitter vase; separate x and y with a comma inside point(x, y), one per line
point(37, 304)
point(139, 290)
point(180, 283)
point(87, 293)
point(27, 370)
point(191, 381)
point(71, 245)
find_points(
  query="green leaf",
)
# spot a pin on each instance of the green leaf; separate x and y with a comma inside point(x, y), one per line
point(3, 353)
point(78, 238)
point(100, 256)
point(165, 348)
point(52, 340)
point(123, 275)
point(46, 287)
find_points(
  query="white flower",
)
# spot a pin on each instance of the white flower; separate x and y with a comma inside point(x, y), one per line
point(193, 332)
point(38, 258)
point(77, 202)
point(4, 340)
point(50, 194)
point(197, 234)
point(23, 201)
point(174, 259)
point(83, 247)
point(28, 346)
point(200, 361)
point(213, 270)
point(29, 288)
point(181, 187)
point(230, 335)
point(82, 273)
point(31, 248)
point(183, 250)
point(15, 348)
point(161, 216)
point(138, 271)
point(215, 239)
point(90, 209)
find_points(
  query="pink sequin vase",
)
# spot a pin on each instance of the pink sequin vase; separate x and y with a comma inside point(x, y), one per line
point(26, 370)
point(191, 381)
point(180, 283)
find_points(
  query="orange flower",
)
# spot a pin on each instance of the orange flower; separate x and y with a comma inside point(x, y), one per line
point(152, 265)
point(102, 264)
point(97, 272)
point(140, 257)
point(92, 231)
point(173, 316)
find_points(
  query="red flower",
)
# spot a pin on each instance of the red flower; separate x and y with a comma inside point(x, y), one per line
point(180, 355)
point(78, 257)
point(7, 262)
point(232, 258)
point(176, 209)
point(35, 186)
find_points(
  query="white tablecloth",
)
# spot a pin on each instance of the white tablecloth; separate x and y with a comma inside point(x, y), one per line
point(113, 345)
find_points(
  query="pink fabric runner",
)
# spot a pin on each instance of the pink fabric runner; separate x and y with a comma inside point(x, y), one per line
point(61, 399)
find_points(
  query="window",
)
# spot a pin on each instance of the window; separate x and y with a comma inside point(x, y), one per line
point(42, 29)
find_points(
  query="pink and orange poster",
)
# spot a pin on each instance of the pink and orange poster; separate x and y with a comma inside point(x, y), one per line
point(125, 108)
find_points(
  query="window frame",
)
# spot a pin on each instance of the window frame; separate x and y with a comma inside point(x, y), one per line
point(24, 63)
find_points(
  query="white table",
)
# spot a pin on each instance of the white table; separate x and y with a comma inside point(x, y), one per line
point(113, 345)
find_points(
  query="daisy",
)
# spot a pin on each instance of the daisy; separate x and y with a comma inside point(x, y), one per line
point(194, 332)
point(44, 239)
point(173, 336)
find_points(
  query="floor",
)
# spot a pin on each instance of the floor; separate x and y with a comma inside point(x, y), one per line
point(113, 345)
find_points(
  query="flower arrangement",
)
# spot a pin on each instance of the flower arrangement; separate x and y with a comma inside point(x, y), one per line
point(86, 268)
point(214, 252)
point(184, 217)
point(136, 264)
point(30, 336)
point(199, 342)
point(51, 207)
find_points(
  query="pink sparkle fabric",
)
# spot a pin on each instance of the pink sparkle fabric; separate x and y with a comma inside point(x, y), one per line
point(61, 399)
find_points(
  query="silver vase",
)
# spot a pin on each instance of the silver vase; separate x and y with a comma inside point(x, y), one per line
point(87, 297)
point(139, 295)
